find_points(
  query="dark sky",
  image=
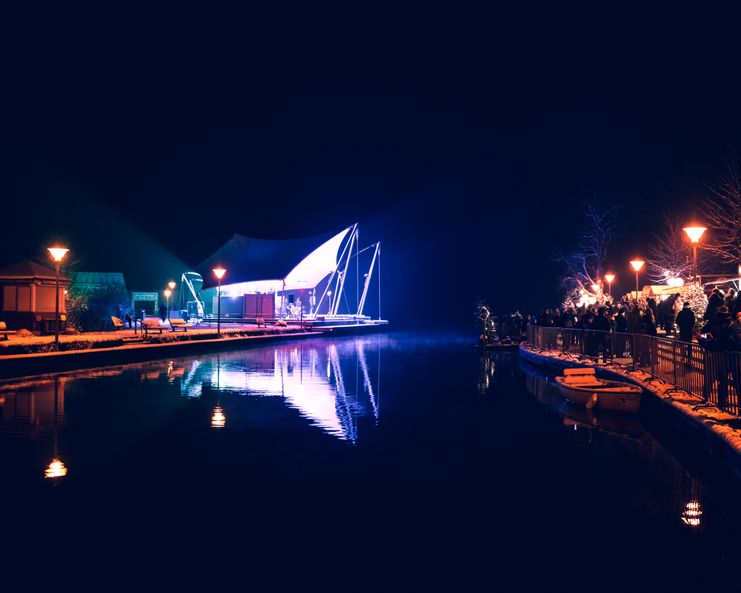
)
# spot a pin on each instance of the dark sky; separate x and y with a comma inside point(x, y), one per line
point(466, 141)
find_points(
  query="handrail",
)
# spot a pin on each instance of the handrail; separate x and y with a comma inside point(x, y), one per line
point(714, 377)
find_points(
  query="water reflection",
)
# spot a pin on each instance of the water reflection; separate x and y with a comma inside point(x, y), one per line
point(331, 384)
point(218, 419)
point(682, 498)
point(33, 404)
point(495, 367)
point(36, 407)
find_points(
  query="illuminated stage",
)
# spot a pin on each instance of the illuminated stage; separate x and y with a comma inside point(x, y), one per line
point(304, 281)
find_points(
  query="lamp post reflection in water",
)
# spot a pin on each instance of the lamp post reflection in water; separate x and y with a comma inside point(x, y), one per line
point(218, 418)
point(56, 468)
point(692, 513)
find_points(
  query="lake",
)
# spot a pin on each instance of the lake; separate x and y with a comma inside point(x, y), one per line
point(400, 454)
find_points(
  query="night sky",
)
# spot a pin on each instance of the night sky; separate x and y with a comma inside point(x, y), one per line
point(465, 141)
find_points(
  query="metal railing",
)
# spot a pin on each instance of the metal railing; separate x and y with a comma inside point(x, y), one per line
point(713, 377)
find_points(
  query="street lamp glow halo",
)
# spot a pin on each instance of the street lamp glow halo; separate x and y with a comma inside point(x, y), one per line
point(57, 253)
point(168, 292)
point(637, 264)
point(609, 278)
point(171, 284)
point(219, 272)
point(694, 232)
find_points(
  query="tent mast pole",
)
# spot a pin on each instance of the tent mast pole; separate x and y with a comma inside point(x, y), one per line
point(379, 281)
point(343, 275)
point(368, 277)
point(357, 271)
point(329, 283)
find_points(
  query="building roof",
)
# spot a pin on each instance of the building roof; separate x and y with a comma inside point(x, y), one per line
point(300, 262)
point(94, 279)
point(29, 270)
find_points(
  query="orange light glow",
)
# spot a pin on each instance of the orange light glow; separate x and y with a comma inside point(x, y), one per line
point(218, 419)
point(58, 253)
point(168, 292)
point(56, 469)
point(637, 264)
point(171, 284)
point(694, 232)
point(692, 513)
point(609, 278)
point(219, 273)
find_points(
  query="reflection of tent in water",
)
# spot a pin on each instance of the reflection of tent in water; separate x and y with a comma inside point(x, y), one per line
point(309, 376)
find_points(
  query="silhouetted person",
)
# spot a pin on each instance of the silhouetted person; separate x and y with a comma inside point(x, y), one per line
point(686, 323)
point(601, 324)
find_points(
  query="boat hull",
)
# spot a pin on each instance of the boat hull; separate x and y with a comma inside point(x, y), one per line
point(626, 399)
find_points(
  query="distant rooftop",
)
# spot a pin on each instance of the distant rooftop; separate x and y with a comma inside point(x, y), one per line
point(28, 270)
point(86, 281)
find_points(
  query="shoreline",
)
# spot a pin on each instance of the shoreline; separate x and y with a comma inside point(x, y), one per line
point(710, 427)
point(18, 366)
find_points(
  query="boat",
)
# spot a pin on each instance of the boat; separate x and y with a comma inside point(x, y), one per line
point(583, 387)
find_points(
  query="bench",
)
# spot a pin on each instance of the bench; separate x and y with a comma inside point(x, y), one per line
point(117, 323)
point(178, 323)
point(152, 324)
point(4, 331)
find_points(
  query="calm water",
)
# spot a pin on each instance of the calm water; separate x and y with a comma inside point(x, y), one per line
point(408, 455)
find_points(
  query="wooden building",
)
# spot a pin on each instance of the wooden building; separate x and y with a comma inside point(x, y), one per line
point(27, 296)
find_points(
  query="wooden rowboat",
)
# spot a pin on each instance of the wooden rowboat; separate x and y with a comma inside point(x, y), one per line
point(581, 386)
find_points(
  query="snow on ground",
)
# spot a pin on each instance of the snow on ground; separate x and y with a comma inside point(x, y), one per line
point(706, 414)
point(83, 341)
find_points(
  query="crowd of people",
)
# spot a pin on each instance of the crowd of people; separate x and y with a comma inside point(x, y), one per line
point(718, 329)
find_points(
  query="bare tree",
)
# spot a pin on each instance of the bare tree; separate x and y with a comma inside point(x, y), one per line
point(670, 254)
point(584, 268)
point(721, 210)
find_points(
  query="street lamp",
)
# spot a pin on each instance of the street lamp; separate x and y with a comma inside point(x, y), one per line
point(694, 233)
point(171, 285)
point(637, 265)
point(219, 273)
point(168, 293)
point(57, 254)
point(609, 278)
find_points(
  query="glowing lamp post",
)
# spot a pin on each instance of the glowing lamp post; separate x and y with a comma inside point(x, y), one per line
point(694, 233)
point(168, 293)
point(609, 278)
point(57, 254)
point(637, 265)
point(171, 285)
point(219, 273)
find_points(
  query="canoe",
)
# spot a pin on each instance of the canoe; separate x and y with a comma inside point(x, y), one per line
point(581, 386)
